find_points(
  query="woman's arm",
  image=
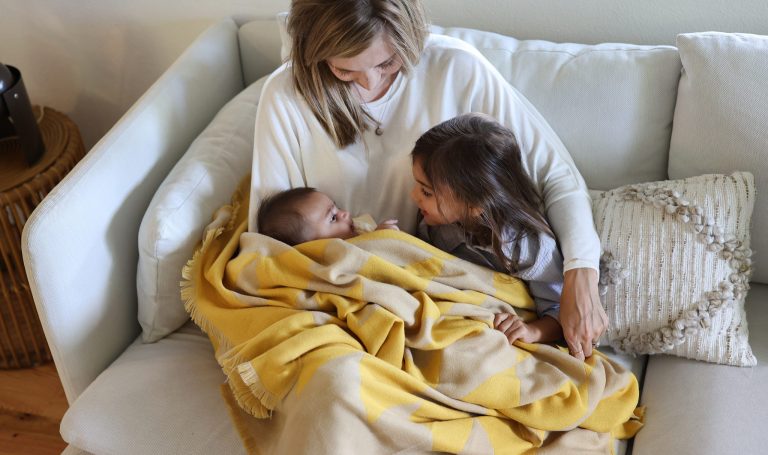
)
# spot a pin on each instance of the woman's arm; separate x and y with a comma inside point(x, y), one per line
point(581, 313)
point(276, 156)
point(566, 201)
point(582, 316)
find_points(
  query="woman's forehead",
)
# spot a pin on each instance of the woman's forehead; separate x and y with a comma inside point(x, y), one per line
point(374, 55)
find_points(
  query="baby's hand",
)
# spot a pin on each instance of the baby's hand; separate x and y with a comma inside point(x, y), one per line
point(388, 224)
point(513, 328)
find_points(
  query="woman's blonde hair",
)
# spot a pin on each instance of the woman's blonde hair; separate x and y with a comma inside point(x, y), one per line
point(324, 29)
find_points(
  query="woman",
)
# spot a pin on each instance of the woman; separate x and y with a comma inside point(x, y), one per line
point(364, 81)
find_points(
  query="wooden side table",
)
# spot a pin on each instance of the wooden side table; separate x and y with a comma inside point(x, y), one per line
point(22, 187)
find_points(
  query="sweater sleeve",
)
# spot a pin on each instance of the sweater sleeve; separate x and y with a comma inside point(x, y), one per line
point(541, 266)
point(567, 203)
point(276, 157)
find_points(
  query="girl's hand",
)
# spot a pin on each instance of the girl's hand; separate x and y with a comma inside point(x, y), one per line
point(513, 328)
point(581, 313)
point(388, 224)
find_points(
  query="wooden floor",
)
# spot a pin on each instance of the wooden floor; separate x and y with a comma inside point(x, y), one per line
point(32, 403)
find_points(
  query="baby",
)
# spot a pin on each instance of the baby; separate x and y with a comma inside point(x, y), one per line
point(302, 214)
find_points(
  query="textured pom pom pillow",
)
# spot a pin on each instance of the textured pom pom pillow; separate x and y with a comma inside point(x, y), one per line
point(676, 266)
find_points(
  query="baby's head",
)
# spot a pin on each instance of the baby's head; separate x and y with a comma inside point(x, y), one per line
point(302, 214)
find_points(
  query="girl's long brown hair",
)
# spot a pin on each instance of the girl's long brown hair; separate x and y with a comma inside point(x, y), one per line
point(324, 29)
point(477, 160)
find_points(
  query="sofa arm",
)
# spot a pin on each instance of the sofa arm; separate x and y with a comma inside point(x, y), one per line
point(80, 244)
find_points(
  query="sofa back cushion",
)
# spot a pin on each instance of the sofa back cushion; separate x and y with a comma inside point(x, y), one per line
point(611, 104)
point(260, 47)
point(721, 116)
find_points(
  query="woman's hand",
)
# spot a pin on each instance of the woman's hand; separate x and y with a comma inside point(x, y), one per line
point(581, 313)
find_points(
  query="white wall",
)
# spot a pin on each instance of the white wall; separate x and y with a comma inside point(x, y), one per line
point(595, 21)
point(93, 58)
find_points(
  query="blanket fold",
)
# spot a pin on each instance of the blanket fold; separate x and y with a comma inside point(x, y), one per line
point(390, 337)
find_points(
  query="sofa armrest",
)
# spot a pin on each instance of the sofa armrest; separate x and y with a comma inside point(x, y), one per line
point(80, 244)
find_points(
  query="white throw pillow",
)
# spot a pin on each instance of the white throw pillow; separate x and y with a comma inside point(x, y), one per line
point(611, 104)
point(721, 115)
point(677, 266)
point(202, 180)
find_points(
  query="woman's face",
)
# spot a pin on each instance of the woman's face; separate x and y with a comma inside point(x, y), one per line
point(372, 71)
point(448, 211)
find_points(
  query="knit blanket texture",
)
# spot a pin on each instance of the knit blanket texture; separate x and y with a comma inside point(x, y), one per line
point(385, 344)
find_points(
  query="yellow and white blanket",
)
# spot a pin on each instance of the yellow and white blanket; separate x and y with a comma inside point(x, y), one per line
point(384, 344)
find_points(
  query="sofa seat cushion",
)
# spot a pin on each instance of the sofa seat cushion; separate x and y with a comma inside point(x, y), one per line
point(156, 398)
point(165, 398)
point(702, 408)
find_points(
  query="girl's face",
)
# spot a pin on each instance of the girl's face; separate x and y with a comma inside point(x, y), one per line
point(372, 71)
point(449, 211)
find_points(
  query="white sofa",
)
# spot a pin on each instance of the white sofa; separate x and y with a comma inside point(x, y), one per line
point(126, 396)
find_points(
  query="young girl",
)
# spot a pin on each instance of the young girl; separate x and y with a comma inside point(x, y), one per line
point(477, 202)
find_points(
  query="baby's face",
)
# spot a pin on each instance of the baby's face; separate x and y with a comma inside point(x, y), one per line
point(327, 220)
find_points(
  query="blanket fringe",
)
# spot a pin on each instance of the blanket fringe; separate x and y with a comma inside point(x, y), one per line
point(251, 379)
point(224, 220)
point(192, 268)
point(188, 284)
point(250, 394)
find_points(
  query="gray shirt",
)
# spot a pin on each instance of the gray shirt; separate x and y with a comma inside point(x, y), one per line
point(540, 263)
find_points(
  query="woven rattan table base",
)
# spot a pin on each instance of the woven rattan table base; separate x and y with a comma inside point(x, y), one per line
point(22, 342)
